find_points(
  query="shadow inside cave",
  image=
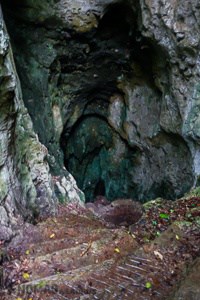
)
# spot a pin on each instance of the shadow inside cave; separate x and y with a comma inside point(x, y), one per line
point(111, 86)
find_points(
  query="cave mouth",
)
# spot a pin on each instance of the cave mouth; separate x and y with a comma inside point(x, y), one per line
point(99, 158)
point(108, 151)
point(95, 140)
point(117, 22)
point(108, 87)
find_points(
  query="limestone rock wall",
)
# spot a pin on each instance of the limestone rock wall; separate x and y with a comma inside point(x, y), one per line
point(26, 185)
point(114, 86)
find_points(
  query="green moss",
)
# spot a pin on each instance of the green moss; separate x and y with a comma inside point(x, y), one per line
point(153, 203)
point(197, 221)
point(82, 196)
point(195, 192)
point(182, 224)
point(3, 187)
point(41, 284)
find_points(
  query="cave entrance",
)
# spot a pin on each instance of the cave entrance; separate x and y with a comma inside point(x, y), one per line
point(113, 142)
point(95, 140)
point(100, 99)
point(99, 159)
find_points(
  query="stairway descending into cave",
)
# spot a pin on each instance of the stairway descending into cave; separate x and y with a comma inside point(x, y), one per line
point(76, 256)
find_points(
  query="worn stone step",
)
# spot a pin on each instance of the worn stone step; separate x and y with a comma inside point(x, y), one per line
point(92, 252)
point(56, 232)
point(55, 244)
point(65, 284)
point(95, 261)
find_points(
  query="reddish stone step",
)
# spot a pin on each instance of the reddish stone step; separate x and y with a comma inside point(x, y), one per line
point(80, 257)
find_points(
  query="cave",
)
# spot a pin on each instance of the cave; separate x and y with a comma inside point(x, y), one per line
point(95, 99)
point(95, 145)
point(109, 92)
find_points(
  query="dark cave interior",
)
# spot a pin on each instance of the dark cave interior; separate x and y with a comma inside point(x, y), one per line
point(108, 84)
point(91, 143)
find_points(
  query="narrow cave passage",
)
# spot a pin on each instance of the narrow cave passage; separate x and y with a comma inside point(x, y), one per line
point(99, 158)
point(115, 146)
point(97, 97)
point(97, 147)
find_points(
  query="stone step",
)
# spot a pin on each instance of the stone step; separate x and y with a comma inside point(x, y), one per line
point(55, 229)
point(50, 245)
point(79, 257)
point(91, 252)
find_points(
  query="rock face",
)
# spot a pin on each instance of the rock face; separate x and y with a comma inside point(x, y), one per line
point(115, 86)
point(26, 186)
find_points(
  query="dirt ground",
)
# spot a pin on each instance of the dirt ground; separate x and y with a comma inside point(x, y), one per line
point(76, 255)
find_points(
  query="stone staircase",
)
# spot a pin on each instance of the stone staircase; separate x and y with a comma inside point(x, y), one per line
point(77, 256)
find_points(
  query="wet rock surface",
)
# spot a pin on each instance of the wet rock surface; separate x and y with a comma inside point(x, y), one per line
point(26, 185)
point(25, 182)
point(77, 256)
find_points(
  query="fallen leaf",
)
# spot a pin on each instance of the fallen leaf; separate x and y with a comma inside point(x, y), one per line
point(117, 250)
point(157, 253)
point(26, 276)
point(132, 235)
point(177, 237)
point(27, 252)
point(164, 216)
point(52, 235)
point(148, 285)
point(148, 248)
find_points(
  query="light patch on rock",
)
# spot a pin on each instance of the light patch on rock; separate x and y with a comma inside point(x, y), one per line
point(197, 162)
point(115, 111)
point(57, 118)
point(68, 190)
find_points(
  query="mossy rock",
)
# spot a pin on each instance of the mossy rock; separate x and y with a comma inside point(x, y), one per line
point(195, 192)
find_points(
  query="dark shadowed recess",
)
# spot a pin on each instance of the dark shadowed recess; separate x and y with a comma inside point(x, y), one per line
point(104, 144)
